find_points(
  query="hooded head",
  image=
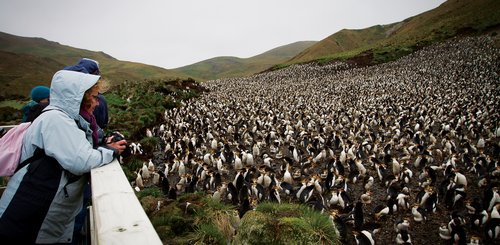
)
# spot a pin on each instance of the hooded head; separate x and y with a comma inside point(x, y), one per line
point(67, 90)
point(85, 65)
point(39, 93)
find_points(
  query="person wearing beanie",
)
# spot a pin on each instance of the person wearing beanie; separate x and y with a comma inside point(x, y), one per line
point(90, 66)
point(39, 99)
point(40, 94)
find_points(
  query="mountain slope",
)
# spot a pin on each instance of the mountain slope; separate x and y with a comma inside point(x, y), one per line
point(384, 43)
point(27, 62)
point(234, 67)
point(344, 41)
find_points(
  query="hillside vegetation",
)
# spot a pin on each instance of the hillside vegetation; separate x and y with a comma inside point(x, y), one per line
point(27, 62)
point(223, 67)
point(380, 44)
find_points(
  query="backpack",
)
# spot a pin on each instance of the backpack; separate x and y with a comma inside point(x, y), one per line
point(10, 149)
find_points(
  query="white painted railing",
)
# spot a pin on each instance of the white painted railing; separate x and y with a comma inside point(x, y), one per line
point(117, 216)
point(7, 127)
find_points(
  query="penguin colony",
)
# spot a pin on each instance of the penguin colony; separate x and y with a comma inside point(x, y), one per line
point(405, 152)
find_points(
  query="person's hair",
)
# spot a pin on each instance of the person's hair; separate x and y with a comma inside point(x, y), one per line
point(87, 97)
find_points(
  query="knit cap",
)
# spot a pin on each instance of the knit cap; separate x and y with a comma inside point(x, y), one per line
point(39, 93)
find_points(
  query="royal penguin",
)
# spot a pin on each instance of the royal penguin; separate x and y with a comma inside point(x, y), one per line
point(401, 224)
point(492, 227)
point(364, 238)
point(444, 232)
point(358, 216)
point(384, 210)
point(403, 237)
point(419, 214)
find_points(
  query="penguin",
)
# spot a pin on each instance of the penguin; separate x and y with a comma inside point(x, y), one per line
point(492, 227)
point(339, 222)
point(401, 224)
point(334, 200)
point(164, 183)
point(344, 199)
point(274, 195)
point(366, 198)
point(358, 216)
point(403, 237)
point(402, 200)
point(306, 194)
point(454, 195)
point(232, 193)
point(382, 211)
point(172, 193)
point(138, 180)
point(474, 240)
point(329, 179)
point(301, 188)
point(287, 176)
point(244, 207)
point(145, 172)
point(363, 238)
point(444, 232)
point(419, 214)
point(216, 196)
point(491, 197)
point(287, 188)
point(368, 183)
point(257, 191)
point(318, 204)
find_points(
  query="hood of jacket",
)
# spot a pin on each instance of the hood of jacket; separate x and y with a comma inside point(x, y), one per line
point(67, 90)
point(85, 65)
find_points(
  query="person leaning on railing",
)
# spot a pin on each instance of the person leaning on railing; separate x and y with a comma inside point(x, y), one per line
point(42, 199)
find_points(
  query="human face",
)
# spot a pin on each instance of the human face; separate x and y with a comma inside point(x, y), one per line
point(94, 101)
point(90, 100)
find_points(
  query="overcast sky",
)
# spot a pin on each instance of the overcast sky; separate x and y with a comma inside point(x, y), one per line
point(172, 34)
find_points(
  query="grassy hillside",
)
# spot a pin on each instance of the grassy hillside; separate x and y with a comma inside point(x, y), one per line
point(344, 41)
point(27, 62)
point(383, 43)
point(236, 67)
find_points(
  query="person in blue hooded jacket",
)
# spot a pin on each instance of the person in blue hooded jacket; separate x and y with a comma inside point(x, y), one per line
point(90, 66)
point(42, 198)
point(39, 99)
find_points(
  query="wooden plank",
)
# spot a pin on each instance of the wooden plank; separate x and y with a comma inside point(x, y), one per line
point(118, 216)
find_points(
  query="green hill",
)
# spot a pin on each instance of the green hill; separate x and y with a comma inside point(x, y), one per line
point(236, 67)
point(32, 61)
point(27, 62)
point(383, 43)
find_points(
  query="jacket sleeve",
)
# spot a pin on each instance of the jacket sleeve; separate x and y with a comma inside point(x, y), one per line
point(63, 140)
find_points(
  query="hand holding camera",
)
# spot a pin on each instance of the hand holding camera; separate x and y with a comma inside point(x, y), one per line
point(117, 141)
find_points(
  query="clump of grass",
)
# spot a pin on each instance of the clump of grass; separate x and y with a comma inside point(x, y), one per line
point(285, 224)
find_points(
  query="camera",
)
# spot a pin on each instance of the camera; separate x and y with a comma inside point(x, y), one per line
point(115, 137)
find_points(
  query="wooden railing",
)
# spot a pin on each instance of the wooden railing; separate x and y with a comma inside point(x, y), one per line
point(117, 217)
